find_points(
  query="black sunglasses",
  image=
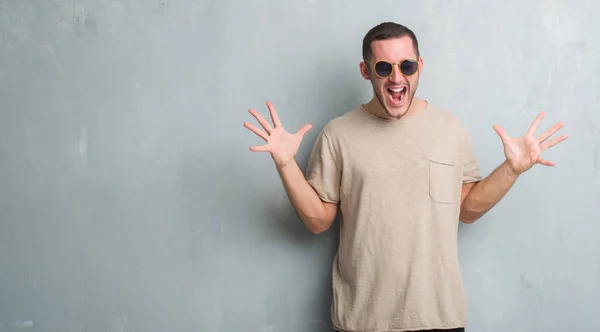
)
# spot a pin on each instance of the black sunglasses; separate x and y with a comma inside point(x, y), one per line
point(384, 69)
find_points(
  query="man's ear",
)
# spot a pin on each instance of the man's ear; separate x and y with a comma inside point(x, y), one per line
point(364, 71)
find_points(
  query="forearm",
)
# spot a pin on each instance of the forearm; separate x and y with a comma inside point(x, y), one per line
point(486, 193)
point(316, 215)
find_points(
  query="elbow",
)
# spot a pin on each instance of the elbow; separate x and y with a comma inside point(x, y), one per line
point(468, 217)
point(468, 220)
point(320, 220)
point(318, 230)
point(470, 212)
point(318, 226)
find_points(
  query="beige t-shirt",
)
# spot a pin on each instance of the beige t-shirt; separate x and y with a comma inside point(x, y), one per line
point(399, 185)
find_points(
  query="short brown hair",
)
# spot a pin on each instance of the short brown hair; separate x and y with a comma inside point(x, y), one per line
point(387, 30)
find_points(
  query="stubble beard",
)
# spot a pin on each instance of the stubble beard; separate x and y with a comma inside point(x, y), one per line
point(385, 108)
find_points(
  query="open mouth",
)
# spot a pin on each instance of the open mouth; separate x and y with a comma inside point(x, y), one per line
point(397, 94)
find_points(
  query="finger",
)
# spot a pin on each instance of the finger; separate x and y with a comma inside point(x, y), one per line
point(550, 132)
point(256, 130)
point(546, 162)
point(303, 130)
point(503, 136)
point(259, 148)
point(262, 121)
point(553, 142)
point(536, 123)
point(274, 115)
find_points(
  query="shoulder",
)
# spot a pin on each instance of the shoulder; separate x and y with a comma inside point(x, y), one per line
point(443, 114)
point(341, 125)
point(447, 119)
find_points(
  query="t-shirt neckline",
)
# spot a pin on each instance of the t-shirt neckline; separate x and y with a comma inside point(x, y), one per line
point(395, 121)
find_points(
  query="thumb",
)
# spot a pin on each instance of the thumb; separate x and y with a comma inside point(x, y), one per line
point(303, 130)
point(501, 133)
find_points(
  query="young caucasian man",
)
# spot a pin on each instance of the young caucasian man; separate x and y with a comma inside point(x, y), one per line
point(402, 172)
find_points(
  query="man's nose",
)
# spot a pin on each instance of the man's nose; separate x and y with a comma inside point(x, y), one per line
point(396, 76)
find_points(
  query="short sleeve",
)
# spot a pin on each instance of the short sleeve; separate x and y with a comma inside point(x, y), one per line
point(324, 171)
point(471, 172)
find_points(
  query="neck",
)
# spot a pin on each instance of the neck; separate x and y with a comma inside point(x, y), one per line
point(375, 107)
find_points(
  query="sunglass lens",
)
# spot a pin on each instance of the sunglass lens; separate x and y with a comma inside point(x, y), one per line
point(409, 67)
point(383, 69)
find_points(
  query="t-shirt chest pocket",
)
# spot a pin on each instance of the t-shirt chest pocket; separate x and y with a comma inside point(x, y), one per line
point(442, 179)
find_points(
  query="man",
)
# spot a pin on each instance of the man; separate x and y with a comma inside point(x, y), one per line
point(403, 172)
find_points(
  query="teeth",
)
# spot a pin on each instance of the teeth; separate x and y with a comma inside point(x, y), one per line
point(397, 89)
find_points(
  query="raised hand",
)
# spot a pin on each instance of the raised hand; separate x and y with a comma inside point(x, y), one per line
point(525, 151)
point(280, 144)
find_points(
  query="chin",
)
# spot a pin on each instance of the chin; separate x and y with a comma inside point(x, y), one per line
point(395, 101)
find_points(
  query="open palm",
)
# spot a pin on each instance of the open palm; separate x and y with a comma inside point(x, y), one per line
point(525, 151)
point(281, 144)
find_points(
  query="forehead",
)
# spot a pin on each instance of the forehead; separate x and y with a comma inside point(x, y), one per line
point(394, 49)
